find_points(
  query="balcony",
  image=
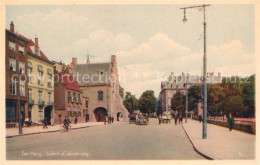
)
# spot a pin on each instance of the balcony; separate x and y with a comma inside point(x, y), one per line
point(41, 103)
point(30, 102)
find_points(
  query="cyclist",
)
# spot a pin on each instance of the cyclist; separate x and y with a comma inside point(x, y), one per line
point(66, 123)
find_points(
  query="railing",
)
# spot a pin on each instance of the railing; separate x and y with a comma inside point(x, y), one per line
point(31, 102)
point(41, 103)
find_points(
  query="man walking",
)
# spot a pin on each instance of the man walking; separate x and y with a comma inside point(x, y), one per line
point(230, 121)
point(66, 123)
point(45, 122)
point(180, 119)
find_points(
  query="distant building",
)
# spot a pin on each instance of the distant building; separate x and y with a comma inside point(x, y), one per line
point(182, 83)
point(40, 83)
point(15, 62)
point(68, 98)
point(99, 82)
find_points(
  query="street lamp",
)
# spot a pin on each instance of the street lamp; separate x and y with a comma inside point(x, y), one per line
point(203, 7)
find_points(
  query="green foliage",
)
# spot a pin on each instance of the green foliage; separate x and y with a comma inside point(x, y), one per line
point(194, 95)
point(178, 101)
point(147, 102)
point(130, 102)
point(234, 95)
point(121, 91)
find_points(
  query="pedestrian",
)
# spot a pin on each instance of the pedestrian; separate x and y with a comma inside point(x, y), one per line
point(159, 119)
point(230, 121)
point(180, 119)
point(45, 123)
point(112, 119)
point(66, 123)
point(176, 118)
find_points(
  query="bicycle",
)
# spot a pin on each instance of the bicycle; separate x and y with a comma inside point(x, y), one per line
point(63, 129)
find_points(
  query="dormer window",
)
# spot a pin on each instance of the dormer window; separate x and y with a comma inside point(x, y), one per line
point(11, 45)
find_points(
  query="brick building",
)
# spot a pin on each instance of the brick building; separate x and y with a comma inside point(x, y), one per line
point(15, 63)
point(99, 82)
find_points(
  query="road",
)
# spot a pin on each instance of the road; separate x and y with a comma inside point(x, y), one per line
point(119, 141)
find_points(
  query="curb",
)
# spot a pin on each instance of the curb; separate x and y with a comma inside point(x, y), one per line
point(200, 153)
point(48, 131)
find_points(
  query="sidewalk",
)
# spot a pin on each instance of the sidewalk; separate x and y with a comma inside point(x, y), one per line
point(220, 142)
point(11, 132)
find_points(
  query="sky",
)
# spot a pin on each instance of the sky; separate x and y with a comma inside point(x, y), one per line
point(150, 41)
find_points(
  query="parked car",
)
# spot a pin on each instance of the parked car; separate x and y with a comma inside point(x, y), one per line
point(142, 119)
point(132, 118)
point(166, 118)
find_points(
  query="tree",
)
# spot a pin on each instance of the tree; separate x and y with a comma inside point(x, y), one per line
point(233, 104)
point(178, 101)
point(249, 96)
point(194, 95)
point(147, 102)
point(130, 102)
point(121, 91)
point(215, 100)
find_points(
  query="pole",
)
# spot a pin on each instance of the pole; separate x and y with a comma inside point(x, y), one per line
point(19, 105)
point(204, 89)
point(204, 131)
point(186, 105)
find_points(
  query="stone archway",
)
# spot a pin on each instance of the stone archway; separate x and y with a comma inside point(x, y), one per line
point(100, 114)
point(119, 116)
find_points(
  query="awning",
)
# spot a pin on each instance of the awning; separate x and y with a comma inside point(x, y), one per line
point(49, 71)
point(29, 64)
point(40, 68)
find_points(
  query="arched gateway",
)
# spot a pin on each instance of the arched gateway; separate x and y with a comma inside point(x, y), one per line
point(100, 113)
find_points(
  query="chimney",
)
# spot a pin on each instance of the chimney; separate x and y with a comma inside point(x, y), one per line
point(36, 42)
point(12, 27)
point(113, 58)
point(219, 74)
point(74, 61)
point(88, 60)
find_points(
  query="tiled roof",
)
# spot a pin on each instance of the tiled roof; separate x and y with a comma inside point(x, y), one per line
point(92, 71)
point(31, 43)
point(69, 82)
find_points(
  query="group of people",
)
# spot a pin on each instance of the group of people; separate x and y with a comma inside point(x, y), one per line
point(66, 123)
point(109, 120)
point(176, 117)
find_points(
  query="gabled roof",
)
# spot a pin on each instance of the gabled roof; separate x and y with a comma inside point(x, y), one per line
point(92, 72)
point(69, 82)
point(31, 43)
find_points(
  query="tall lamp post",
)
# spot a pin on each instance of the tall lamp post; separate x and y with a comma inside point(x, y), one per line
point(203, 7)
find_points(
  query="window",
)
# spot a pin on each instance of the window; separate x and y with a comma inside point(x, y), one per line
point(86, 103)
point(69, 109)
point(22, 88)
point(40, 78)
point(100, 95)
point(12, 64)
point(29, 71)
point(74, 109)
point(40, 96)
point(13, 86)
point(69, 96)
point(11, 45)
point(49, 80)
point(21, 67)
point(30, 94)
point(49, 98)
point(21, 49)
point(78, 109)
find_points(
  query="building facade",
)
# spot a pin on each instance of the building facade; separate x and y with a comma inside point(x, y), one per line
point(99, 82)
point(40, 84)
point(68, 99)
point(182, 83)
point(15, 65)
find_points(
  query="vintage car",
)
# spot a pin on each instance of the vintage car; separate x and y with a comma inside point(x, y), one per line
point(142, 119)
point(132, 118)
point(166, 118)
